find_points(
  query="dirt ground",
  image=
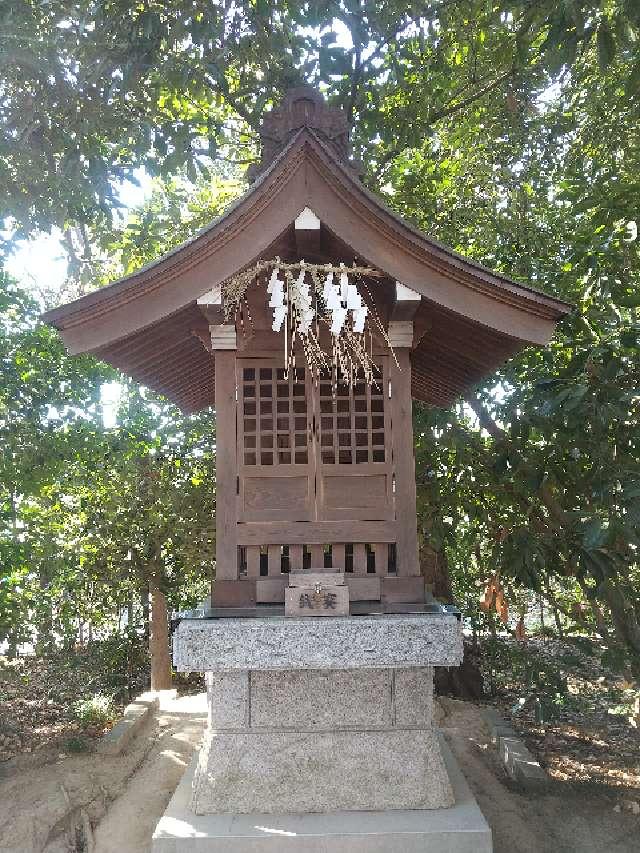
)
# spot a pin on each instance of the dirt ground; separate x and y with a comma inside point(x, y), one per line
point(564, 818)
point(128, 825)
point(85, 803)
point(98, 805)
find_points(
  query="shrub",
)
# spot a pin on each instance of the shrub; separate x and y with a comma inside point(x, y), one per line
point(76, 744)
point(98, 710)
point(122, 659)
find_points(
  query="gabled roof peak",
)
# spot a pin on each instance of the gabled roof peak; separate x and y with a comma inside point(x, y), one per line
point(149, 324)
point(302, 106)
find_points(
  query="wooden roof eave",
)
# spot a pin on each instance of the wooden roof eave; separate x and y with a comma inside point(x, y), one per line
point(306, 174)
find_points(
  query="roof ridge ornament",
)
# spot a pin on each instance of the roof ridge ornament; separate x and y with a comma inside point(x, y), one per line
point(302, 106)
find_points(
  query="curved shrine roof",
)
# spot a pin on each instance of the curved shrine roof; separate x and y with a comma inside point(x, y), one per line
point(149, 324)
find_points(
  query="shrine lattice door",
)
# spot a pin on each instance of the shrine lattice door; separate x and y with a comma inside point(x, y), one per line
point(352, 449)
point(308, 451)
point(275, 467)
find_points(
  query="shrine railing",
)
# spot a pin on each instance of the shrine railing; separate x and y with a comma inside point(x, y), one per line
point(357, 558)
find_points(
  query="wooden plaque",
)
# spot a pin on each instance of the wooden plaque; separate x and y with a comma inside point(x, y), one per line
point(320, 599)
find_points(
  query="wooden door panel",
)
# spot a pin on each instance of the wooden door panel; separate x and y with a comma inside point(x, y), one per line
point(357, 496)
point(268, 496)
point(275, 465)
point(353, 450)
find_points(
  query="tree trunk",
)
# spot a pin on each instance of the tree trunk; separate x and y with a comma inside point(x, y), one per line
point(600, 621)
point(625, 622)
point(159, 641)
point(464, 681)
point(45, 641)
point(144, 604)
point(556, 613)
point(435, 570)
point(558, 621)
point(542, 626)
point(12, 647)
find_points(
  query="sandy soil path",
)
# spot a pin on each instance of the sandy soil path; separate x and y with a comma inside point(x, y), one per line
point(564, 818)
point(128, 825)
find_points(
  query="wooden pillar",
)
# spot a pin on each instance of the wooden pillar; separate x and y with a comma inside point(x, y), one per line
point(359, 559)
point(317, 556)
point(337, 556)
point(295, 558)
point(400, 337)
point(223, 343)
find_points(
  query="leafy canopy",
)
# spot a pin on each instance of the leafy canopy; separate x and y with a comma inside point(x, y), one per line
point(92, 91)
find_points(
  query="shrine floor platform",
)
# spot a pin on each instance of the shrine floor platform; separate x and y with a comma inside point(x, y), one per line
point(460, 829)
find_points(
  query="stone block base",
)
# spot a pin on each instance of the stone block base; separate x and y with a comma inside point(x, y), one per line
point(320, 772)
point(459, 829)
point(320, 741)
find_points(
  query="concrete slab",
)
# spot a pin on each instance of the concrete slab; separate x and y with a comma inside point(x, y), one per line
point(135, 715)
point(498, 732)
point(459, 829)
point(498, 727)
point(529, 773)
point(512, 749)
point(519, 763)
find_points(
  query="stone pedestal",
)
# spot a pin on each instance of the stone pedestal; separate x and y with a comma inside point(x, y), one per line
point(320, 741)
point(321, 719)
point(459, 829)
point(319, 715)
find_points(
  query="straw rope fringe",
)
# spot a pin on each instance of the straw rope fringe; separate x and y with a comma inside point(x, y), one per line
point(351, 356)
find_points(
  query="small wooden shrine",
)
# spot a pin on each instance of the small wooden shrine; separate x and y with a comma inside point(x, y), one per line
point(309, 316)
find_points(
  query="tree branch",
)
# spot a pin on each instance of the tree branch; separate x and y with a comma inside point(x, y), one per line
point(221, 81)
point(486, 421)
point(445, 112)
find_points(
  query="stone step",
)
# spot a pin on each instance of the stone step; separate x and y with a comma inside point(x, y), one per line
point(519, 763)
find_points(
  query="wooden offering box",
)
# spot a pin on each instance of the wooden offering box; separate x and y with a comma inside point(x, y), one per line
point(316, 594)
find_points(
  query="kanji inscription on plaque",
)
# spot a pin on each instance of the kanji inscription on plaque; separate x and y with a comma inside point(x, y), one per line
point(316, 594)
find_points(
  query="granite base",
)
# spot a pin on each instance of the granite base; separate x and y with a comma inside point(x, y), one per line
point(459, 829)
point(320, 741)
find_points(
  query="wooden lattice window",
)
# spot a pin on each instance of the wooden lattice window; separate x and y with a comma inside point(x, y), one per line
point(274, 412)
point(352, 421)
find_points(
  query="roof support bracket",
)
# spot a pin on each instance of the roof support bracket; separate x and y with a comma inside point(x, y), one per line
point(401, 334)
point(406, 303)
point(307, 228)
point(223, 336)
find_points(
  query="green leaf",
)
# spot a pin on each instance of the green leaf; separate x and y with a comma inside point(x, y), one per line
point(630, 300)
point(631, 491)
point(575, 398)
point(593, 535)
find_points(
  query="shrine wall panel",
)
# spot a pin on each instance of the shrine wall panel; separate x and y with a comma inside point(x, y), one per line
point(361, 496)
point(269, 497)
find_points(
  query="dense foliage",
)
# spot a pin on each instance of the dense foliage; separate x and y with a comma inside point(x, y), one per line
point(506, 129)
point(90, 515)
point(93, 89)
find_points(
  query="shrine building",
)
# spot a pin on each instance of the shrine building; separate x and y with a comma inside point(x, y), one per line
point(309, 316)
point(314, 462)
